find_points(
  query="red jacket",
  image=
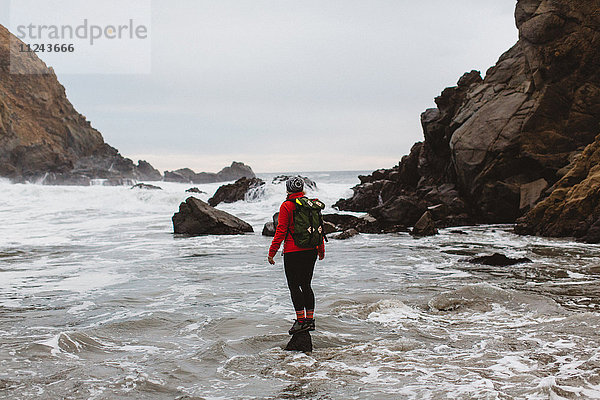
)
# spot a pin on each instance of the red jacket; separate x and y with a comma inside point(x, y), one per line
point(285, 222)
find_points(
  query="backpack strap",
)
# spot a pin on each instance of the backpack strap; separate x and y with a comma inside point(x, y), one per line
point(288, 229)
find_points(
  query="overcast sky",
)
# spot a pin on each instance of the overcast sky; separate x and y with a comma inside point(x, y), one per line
point(287, 85)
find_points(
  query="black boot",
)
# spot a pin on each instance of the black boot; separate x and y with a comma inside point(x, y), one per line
point(310, 323)
point(299, 326)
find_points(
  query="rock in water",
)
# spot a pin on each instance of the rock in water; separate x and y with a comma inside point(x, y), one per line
point(300, 342)
point(146, 186)
point(195, 217)
point(329, 228)
point(344, 222)
point(425, 226)
point(235, 191)
point(499, 260)
point(270, 227)
point(194, 190)
point(347, 234)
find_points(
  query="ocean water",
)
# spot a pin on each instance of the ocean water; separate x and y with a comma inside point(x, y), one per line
point(99, 300)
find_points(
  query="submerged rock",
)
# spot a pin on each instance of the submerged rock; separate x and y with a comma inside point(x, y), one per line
point(347, 234)
point(425, 226)
point(195, 217)
point(499, 260)
point(146, 186)
point(300, 342)
point(235, 191)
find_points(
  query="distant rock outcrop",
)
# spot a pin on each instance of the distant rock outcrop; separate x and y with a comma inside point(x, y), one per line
point(147, 172)
point(234, 172)
point(493, 145)
point(195, 217)
point(42, 136)
point(235, 191)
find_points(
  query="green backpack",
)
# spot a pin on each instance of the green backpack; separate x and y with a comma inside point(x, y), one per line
point(308, 223)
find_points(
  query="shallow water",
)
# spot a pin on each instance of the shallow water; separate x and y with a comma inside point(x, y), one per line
point(99, 300)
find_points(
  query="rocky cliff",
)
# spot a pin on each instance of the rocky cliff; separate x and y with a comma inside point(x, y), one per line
point(573, 207)
point(494, 146)
point(41, 133)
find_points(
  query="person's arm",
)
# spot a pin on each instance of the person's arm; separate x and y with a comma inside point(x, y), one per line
point(283, 223)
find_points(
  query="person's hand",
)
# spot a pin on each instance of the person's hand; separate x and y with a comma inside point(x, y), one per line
point(271, 260)
point(321, 256)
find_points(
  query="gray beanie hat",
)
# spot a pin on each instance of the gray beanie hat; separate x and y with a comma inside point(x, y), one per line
point(294, 185)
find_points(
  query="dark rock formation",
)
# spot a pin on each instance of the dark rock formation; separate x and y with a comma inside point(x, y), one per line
point(329, 228)
point(42, 136)
point(184, 175)
point(147, 172)
point(235, 191)
point(492, 145)
point(425, 226)
point(573, 207)
point(498, 260)
point(347, 234)
point(194, 190)
point(270, 227)
point(146, 186)
point(308, 183)
point(195, 217)
point(300, 341)
point(235, 171)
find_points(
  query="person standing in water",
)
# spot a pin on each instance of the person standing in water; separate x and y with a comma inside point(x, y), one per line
point(299, 262)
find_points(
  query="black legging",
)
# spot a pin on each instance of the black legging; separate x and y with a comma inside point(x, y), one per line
point(299, 267)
